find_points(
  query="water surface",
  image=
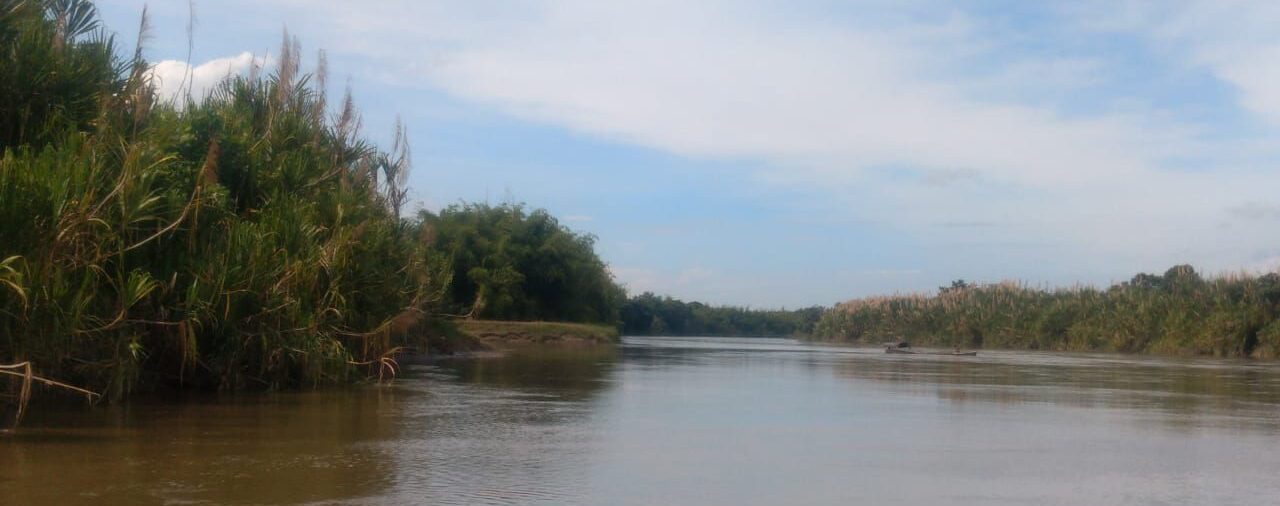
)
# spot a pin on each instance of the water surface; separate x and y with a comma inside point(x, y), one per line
point(689, 421)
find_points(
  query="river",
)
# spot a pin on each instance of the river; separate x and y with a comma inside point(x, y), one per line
point(688, 421)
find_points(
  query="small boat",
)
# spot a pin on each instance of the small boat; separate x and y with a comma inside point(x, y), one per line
point(897, 347)
point(906, 350)
point(957, 353)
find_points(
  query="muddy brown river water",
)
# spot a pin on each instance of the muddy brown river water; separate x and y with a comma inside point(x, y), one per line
point(688, 421)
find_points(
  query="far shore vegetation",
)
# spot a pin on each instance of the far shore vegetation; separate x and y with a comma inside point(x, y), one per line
point(1175, 313)
point(651, 315)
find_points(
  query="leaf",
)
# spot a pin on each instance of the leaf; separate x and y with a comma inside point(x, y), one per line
point(139, 285)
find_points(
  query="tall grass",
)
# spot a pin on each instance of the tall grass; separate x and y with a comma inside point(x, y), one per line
point(1178, 312)
point(247, 238)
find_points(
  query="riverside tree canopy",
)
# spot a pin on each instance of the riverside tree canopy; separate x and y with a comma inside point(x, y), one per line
point(509, 263)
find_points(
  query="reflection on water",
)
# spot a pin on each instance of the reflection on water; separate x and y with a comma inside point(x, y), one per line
point(1180, 393)
point(689, 421)
point(280, 449)
point(515, 430)
point(572, 373)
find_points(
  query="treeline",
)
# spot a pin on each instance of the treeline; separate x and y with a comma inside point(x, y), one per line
point(250, 238)
point(509, 263)
point(1178, 312)
point(650, 315)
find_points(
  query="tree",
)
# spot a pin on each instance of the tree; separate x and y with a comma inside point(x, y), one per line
point(512, 264)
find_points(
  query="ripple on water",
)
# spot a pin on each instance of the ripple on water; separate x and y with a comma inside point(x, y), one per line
point(690, 421)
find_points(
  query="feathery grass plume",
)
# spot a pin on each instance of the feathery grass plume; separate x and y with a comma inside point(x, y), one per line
point(287, 71)
point(188, 74)
point(395, 167)
point(210, 245)
point(322, 85)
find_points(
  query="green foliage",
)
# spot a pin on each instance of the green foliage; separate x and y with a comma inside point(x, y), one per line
point(56, 66)
point(511, 264)
point(1178, 312)
point(241, 240)
point(650, 315)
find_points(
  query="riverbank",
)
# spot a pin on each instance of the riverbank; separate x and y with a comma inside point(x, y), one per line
point(504, 335)
point(486, 337)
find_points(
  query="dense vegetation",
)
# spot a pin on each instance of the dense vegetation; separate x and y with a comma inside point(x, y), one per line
point(1178, 312)
point(507, 263)
point(650, 315)
point(249, 238)
point(253, 238)
point(246, 239)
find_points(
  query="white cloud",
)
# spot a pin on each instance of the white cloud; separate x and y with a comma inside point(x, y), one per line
point(639, 279)
point(1264, 266)
point(173, 78)
point(680, 283)
point(694, 275)
point(710, 82)
point(875, 115)
point(1257, 211)
point(1236, 40)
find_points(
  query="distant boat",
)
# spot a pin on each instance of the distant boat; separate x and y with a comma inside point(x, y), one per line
point(904, 348)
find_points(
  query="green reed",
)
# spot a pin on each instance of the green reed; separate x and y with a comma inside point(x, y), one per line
point(247, 238)
point(1178, 312)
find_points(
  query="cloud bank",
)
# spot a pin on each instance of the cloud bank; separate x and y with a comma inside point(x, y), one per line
point(175, 79)
point(1096, 138)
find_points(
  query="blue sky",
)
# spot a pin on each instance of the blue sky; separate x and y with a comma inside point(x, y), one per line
point(771, 153)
